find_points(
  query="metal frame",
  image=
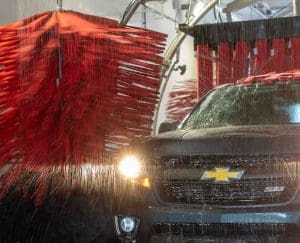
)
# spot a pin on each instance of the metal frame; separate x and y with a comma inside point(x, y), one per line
point(130, 10)
point(238, 5)
point(283, 11)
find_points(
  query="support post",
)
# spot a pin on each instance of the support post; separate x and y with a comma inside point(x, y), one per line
point(59, 5)
point(58, 80)
point(144, 17)
point(296, 7)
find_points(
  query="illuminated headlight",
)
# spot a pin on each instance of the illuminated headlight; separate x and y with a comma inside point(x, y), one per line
point(130, 167)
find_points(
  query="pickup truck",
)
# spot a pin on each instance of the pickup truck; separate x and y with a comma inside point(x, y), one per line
point(228, 173)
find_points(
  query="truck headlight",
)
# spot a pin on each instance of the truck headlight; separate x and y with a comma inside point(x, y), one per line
point(130, 167)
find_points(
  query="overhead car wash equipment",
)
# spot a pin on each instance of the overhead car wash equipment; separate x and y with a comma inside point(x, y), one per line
point(230, 51)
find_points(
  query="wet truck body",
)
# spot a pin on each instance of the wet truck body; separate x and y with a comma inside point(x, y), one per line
point(228, 173)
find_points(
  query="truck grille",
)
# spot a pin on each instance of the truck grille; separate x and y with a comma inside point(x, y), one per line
point(267, 180)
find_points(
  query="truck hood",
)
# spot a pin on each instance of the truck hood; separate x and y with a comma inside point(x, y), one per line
point(237, 140)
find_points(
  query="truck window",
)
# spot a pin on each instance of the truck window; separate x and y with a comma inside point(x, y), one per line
point(242, 105)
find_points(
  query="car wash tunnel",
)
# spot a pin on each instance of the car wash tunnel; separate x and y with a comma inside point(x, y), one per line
point(139, 121)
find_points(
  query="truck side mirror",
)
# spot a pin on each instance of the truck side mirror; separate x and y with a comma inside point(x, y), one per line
point(168, 126)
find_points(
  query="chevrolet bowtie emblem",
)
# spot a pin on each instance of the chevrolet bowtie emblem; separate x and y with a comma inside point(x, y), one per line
point(222, 175)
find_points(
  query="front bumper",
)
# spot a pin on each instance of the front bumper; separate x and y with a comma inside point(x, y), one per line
point(165, 223)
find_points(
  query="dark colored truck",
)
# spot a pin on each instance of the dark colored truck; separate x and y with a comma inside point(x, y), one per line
point(228, 173)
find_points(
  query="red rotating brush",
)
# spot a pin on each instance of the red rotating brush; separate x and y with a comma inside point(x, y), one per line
point(73, 88)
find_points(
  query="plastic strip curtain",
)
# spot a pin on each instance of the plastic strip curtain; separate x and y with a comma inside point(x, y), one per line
point(276, 55)
point(279, 55)
point(261, 60)
point(106, 95)
point(231, 64)
point(240, 60)
point(224, 64)
point(205, 69)
point(294, 52)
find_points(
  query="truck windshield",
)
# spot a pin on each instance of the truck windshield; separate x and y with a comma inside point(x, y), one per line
point(242, 105)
